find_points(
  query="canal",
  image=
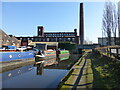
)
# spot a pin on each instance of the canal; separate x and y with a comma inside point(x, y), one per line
point(37, 76)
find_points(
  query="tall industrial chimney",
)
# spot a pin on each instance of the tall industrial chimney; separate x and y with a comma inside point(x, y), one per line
point(119, 18)
point(81, 26)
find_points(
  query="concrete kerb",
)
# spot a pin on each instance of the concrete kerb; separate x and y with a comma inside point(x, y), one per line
point(71, 71)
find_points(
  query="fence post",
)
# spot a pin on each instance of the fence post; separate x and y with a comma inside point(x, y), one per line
point(110, 52)
point(117, 52)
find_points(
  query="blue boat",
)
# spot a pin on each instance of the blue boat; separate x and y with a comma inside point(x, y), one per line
point(10, 55)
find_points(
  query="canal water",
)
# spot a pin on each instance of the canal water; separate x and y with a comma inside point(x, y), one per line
point(37, 76)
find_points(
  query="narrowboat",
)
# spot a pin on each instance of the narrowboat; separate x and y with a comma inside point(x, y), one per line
point(50, 57)
point(64, 53)
point(45, 55)
point(51, 54)
point(11, 54)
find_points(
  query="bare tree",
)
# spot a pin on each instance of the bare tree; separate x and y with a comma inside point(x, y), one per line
point(119, 20)
point(114, 22)
point(109, 21)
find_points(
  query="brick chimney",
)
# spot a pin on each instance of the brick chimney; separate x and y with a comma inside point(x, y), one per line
point(81, 26)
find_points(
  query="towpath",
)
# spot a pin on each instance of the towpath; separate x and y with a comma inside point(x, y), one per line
point(80, 75)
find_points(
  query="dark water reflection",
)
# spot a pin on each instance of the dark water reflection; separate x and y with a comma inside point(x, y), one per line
point(65, 62)
point(27, 77)
point(35, 76)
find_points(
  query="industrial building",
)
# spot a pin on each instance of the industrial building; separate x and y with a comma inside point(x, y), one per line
point(51, 37)
point(104, 41)
point(58, 36)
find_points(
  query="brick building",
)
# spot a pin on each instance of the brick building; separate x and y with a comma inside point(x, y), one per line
point(51, 37)
point(8, 39)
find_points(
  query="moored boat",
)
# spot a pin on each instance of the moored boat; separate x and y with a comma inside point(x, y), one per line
point(50, 57)
point(50, 54)
point(45, 55)
point(11, 54)
point(64, 53)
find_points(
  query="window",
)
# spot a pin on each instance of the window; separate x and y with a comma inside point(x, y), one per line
point(48, 39)
point(35, 39)
point(39, 39)
point(43, 39)
point(53, 39)
point(68, 39)
point(64, 39)
point(24, 38)
point(73, 39)
point(59, 39)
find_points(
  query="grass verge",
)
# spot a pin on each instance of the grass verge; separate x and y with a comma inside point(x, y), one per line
point(106, 71)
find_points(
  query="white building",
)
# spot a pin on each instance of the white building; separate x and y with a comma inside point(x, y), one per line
point(104, 41)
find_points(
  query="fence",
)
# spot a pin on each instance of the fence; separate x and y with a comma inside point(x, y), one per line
point(112, 51)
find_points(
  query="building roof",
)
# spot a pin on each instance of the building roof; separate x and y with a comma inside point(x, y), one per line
point(47, 43)
point(57, 32)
